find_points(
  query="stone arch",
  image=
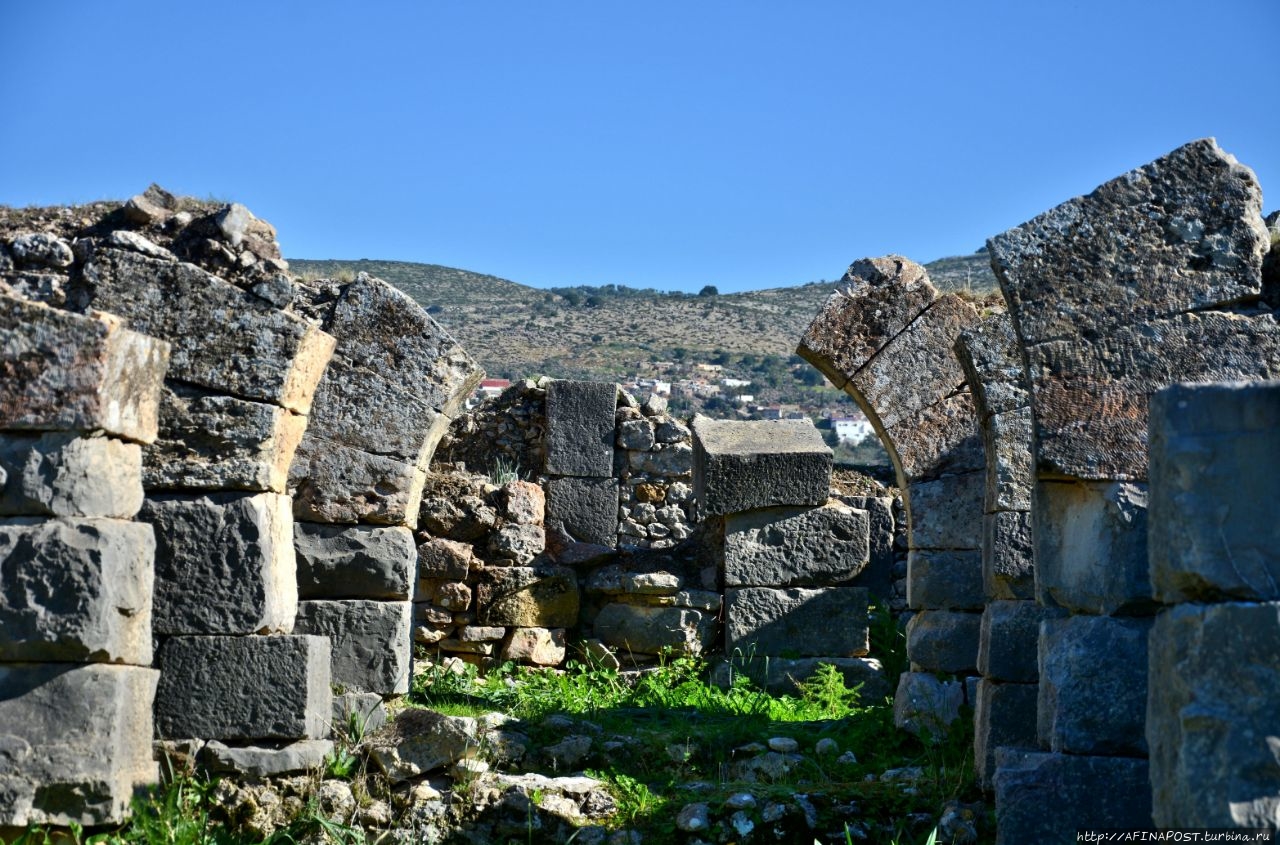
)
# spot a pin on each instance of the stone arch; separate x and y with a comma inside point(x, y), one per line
point(1153, 278)
point(886, 339)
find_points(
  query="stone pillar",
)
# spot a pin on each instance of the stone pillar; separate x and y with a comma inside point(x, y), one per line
point(1113, 296)
point(886, 340)
point(1005, 707)
point(792, 556)
point(236, 400)
point(78, 399)
point(396, 381)
point(1214, 545)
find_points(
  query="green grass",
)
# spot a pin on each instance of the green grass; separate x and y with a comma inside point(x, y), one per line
point(686, 737)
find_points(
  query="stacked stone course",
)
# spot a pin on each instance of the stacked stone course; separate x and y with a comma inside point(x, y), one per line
point(396, 382)
point(887, 340)
point(1113, 296)
point(79, 398)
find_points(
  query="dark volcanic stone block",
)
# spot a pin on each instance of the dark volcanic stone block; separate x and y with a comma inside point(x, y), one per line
point(355, 561)
point(1046, 798)
point(789, 547)
point(580, 427)
point(798, 621)
point(585, 508)
point(371, 641)
point(244, 688)
point(741, 466)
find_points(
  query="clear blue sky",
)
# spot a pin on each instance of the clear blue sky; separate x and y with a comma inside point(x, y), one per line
point(655, 144)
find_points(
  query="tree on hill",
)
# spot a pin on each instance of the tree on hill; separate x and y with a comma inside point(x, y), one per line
point(709, 290)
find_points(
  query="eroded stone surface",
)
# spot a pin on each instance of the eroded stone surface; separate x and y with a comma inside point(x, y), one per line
point(209, 441)
point(1211, 719)
point(76, 740)
point(786, 547)
point(650, 630)
point(225, 563)
point(944, 641)
point(69, 474)
point(1215, 484)
point(796, 621)
point(75, 590)
point(355, 561)
point(334, 483)
point(68, 372)
point(253, 350)
point(528, 597)
point(1043, 797)
point(370, 641)
point(235, 688)
point(584, 508)
point(740, 466)
point(580, 427)
point(1093, 685)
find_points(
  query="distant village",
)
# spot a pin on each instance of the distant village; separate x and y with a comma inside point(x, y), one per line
point(698, 387)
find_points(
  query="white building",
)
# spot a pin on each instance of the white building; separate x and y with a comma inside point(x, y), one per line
point(852, 430)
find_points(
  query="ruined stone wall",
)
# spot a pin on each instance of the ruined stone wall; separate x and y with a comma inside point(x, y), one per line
point(1160, 276)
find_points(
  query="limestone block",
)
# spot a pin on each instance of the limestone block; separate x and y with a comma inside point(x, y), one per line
point(1047, 798)
point(304, 755)
point(944, 579)
point(225, 563)
point(943, 439)
point(539, 646)
point(917, 368)
point(77, 742)
point(439, 558)
point(926, 705)
point(373, 412)
point(1215, 484)
point(370, 641)
point(1091, 545)
point(76, 590)
point(528, 597)
point(1004, 715)
point(1093, 685)
point(209, 441)
point(1008, 555)
point(880, 299)
point(1212, 718)
point(946, 513)
point(790, 547)
point(355, 561)
point(944, 641)
point(240, 688)
point(1010, 465)
point(334, 483)
point(421, 741)
point(580, 427)
point(649, 630)
point(1009, 643)
point(740, 466)
point(1109, 381)
point(1142, 246)
point(382, 330)
point(797, 622)
point(585, 508)
point(69, 474)
point(877, 576)
point(70, 372)
point(223, 338)
point(992, 363)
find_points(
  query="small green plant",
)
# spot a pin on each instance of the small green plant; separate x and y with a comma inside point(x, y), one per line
point(505, 470)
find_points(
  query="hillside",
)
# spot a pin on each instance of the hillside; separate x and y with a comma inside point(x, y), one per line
point(515, 330)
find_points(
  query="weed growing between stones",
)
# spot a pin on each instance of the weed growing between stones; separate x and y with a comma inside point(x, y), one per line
point(685, 758)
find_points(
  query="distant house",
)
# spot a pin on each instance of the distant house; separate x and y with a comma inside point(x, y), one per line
point(852, 430)
point(661, 388)
point(708, 368)
point(491, 387)
point(744, 399)
point(772, 412)
point(735, 382)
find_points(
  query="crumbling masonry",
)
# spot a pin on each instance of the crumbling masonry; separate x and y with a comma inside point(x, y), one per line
point(232, 503)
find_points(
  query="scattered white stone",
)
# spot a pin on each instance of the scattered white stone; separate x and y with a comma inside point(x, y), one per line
point(740, 801)
point(783, 745)
point(826, 746)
